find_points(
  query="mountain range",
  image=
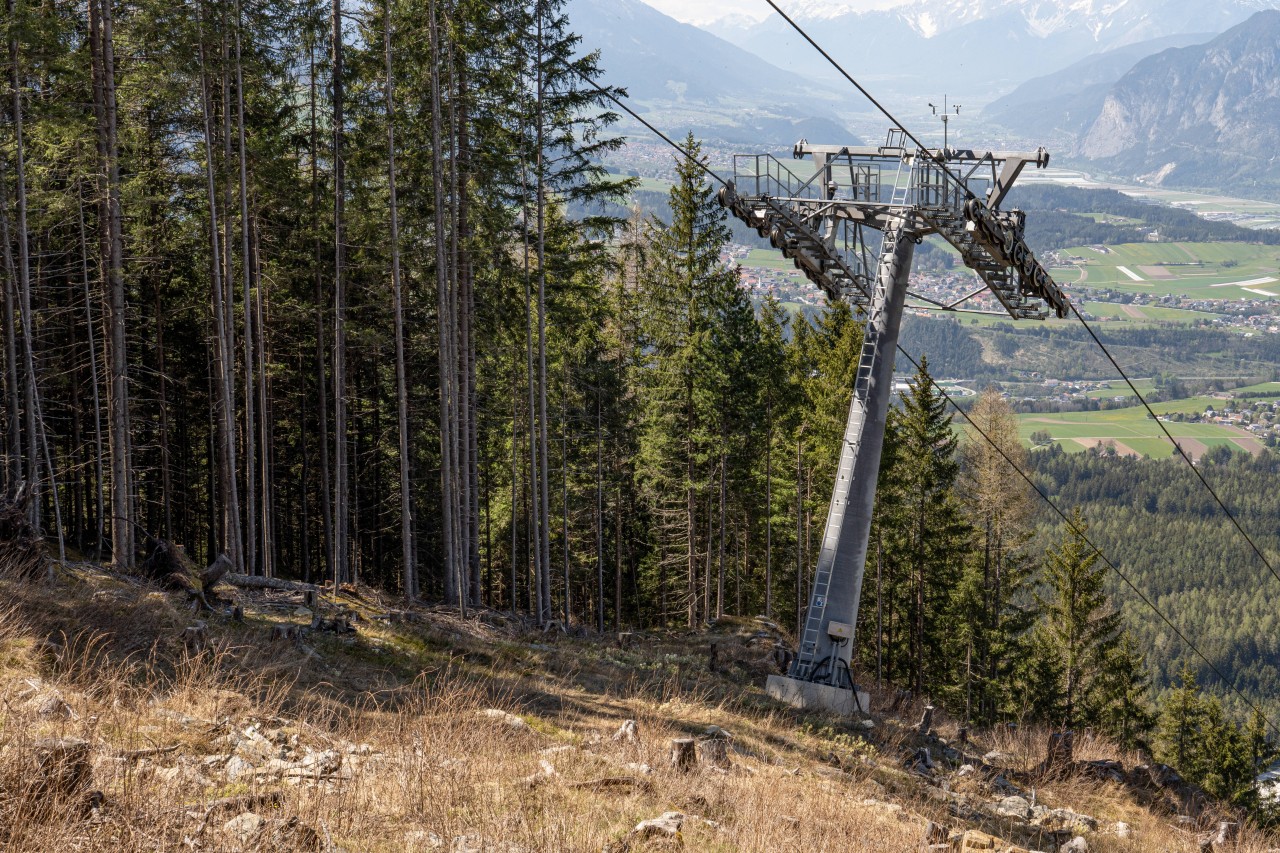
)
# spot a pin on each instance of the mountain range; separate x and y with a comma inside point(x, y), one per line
point(977, 49)
point(687, 79)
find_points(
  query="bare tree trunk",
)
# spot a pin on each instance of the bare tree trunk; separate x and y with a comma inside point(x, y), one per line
point(720, 571)
point(341, 516)
point(545, 605)
point(515, 470)
point(768, 515)
point(264, 419)
point(222, 367)
point(90, 324)
point(534, 502)
point(118, 396)
point(599, 518)
point(322, 385)
point(402, 385)
point(13, 429)
point(447, 497)
point(250, 372)
point(24, 285)
point(564, 492)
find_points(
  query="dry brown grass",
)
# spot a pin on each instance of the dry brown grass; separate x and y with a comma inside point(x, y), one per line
point(423, 767)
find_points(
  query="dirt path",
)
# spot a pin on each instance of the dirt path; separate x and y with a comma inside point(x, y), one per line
point(1133, 311)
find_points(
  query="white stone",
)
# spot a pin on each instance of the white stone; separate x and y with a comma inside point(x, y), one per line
point(1122, 829)
point(244, 827)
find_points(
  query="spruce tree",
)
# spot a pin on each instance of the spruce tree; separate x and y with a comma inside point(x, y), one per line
point(1080, 628)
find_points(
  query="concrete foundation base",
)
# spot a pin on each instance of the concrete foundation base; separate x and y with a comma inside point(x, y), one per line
point(816, 697)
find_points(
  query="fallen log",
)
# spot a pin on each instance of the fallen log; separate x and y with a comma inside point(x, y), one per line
point(255, 582)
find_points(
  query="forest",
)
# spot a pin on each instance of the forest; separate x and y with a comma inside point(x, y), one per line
point(1057, 222)
point(346, 293)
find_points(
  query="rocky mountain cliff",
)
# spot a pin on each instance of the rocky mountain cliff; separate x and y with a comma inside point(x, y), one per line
point(1061, 106)
point(1204, 116)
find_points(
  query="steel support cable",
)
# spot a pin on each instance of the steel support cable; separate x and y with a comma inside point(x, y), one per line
point(1017, 468)
point(1181, 452)
point(1084, 538)
point(1200, 476)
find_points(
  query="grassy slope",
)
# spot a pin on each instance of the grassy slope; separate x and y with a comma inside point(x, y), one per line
point(422, 766)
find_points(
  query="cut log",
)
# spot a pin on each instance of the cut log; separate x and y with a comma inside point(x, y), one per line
point(684, 755)
point(1059, 759)
point(255, 582)
point(715, 752)
point(215, 572)
point(63, 768)
point(195, 639)
point(925, 726)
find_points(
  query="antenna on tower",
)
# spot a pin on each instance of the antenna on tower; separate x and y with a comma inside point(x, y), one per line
point(945, 112)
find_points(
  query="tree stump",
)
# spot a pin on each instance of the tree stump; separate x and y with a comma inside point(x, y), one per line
point(782, 657)
point(925, 726)
point(1059, 757)
point(309, 597)
point(283, 632)
point(63, 768)
point(624, 639)
point(936, 833)
point(195, 639)
point(715, 752)
point(684, 755)
point(712, 659)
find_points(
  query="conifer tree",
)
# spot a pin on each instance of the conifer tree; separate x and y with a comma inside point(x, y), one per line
point(1080, 627)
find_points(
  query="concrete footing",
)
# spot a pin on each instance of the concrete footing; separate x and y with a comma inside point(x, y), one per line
point(816, 697)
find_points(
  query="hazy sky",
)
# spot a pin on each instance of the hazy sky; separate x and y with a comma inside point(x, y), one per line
point(701, 11)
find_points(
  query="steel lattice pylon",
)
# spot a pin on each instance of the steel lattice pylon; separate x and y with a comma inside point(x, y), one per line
point(888, 197)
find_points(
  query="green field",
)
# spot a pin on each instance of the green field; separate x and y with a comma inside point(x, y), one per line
point(1135, 315)
point(1133, 432)
point(1201, 270)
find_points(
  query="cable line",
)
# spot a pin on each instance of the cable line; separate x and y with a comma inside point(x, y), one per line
point(1187, 642)
point(1074, 310)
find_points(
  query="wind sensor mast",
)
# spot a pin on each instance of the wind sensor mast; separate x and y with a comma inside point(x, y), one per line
point(858, 203)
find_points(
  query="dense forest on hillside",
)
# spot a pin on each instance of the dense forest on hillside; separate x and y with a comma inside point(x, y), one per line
point(1004, 352)
point(1156, 521)
point(1057, 222)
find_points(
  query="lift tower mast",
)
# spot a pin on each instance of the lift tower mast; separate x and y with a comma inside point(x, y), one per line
point(851, 226)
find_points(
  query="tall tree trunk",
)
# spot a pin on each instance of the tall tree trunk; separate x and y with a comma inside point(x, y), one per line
point(768, 513)
point(13, 428)
point(250, 371)
point(118, 397)
point(397, 304)
point(447, 495)
point(223, 371)
point(29, 388)
point(599, 517)
point(341, 496)
point(90, 325)
point(322, 383)
point(545, 497)
point(720, 570)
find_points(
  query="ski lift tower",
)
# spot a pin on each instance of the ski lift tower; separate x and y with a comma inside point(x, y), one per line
point(851, 225)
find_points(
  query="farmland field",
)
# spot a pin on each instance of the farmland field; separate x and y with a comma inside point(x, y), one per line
point(1203, 270)
point(1133, 433)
